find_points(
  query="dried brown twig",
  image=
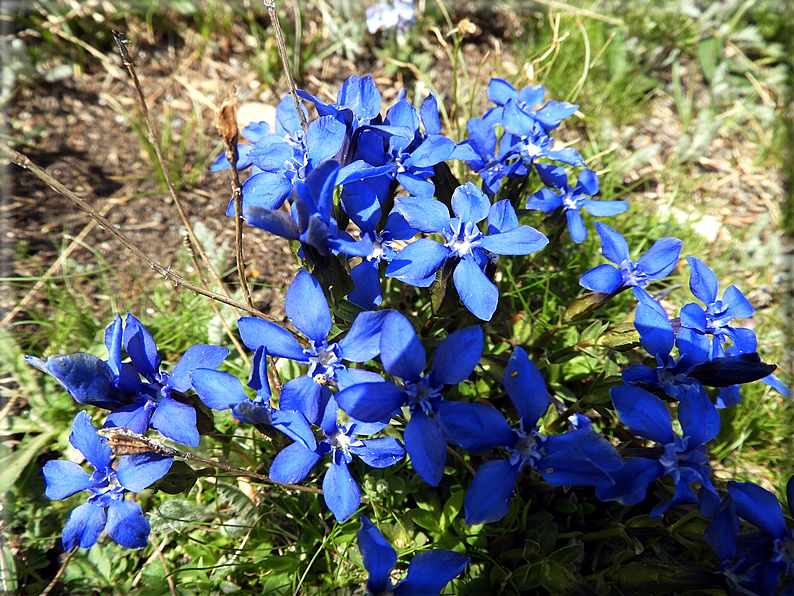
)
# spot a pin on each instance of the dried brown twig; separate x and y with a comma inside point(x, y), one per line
point(24, 161)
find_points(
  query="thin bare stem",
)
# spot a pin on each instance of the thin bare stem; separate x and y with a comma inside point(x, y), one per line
point(127, 60)
point(238, 346)
point(24, 161)
point(168, 578)
point(58, 575)
point(227, 125)
point(125, 442)
point(282, 50)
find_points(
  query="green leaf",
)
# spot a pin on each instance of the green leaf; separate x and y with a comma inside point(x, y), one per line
point(452, 508)
point(425, 519)
point(708, 56)
point(568, 554)
point(12, 465)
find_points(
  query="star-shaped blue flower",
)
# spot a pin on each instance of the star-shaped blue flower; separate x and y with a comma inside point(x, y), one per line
point(308, 310)
point(404, 357)
point(470, 248)
point(581, 457)
point(683, 457)
point(106, 507)
point(341, 493)
point(655, 264)
point(571, 201)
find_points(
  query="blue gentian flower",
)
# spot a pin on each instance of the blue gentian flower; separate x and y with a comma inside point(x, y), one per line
point(417, 263)
point(507, 98)
point(683, 457)
point(715, 319)
point(117, 386)
point(362, 201)
point(655, 264)
point(658, 338)
point(399, 149)
point(106, 507)
point(388, 15)
point(581, 457)
point(308, 310)
point(310, 220)
point(428, 571)
point(341, 493)
point(755, 562)
point(154, 405)
point(571, 201)
point(222, 391)
point(482, 144)
point(404, 357)
point(92, 381)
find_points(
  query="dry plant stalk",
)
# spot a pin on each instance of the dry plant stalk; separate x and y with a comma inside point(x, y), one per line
point(226, 118)
point(24, 162)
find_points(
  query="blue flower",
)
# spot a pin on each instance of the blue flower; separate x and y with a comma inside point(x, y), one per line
point(581, 457)
point(155, 405)
point(106, 507)
point(715, 319)
point(362, 202)
point(399, 149)
point(310, 220)
point(404, 357)
point(222, 391)
point(655, 264)
point(571, 200)
point(388, 15)
point(417, 263)
point(683, 458)
point(341, 493)
point(428, 572)
point(117, 386)
point(756, 561)
point(658, 338)
point(308, 310)
point(523, 102)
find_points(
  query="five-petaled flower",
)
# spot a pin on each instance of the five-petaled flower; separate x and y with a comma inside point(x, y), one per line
point(106, 507)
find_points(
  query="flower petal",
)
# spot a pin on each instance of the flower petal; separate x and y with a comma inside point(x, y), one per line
point(378, 555)
point(307, 307)
point(427, 447)
point(371, 402)
point(379, 453)
point(276, 340)
point(303, 395)
point(469, 203)
point(401, 352)
point(700, 420)
point(759, 507)
point(644, 413)
point(340, 491)
point(362, 342)
point(177, 421)
point(127, 525)
point(526, 388)
point(138, 472)
point(576, 226)
point(140, 346)
point(85, 439)
point(488, 499)
point(83, 527)
point(476, 291)
point(613, 246)
point(198, 356)
point(604, 278)
point(424, 215)
point(474, 427)
point(661, 258)
point(455, 358)
point(64, 479)
point(430, 571)
point(218, 390)
point(418, 261)
point(293, 464)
